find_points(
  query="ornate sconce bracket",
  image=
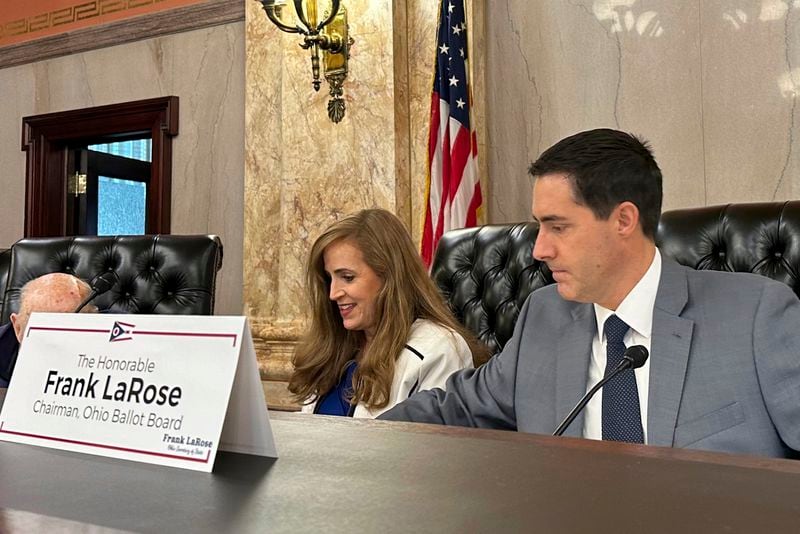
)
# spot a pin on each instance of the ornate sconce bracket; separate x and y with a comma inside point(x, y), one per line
point(330, 37)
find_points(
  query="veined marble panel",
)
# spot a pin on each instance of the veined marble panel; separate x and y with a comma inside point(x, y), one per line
point(476, 18)
point(303, 171)
point(15, 86)
point(422, 16)
point(263, 164)
point(205, 69)
point(555, 68)
point(713, 85)
point(208, 154)
point(751, 81)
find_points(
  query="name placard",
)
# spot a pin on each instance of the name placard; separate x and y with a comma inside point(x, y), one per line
point(160, 389)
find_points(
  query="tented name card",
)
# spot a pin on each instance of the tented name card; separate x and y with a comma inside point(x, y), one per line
point(160, 389)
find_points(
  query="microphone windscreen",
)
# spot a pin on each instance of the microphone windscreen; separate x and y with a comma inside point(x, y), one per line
point(104, 282)
point(637, 354)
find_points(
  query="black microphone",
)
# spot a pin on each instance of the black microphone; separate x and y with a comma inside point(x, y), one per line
point(101, 284)
point(633, 358)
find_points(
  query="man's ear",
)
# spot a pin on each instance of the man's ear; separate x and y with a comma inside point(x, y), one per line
point(17, 324)
point(627, 216)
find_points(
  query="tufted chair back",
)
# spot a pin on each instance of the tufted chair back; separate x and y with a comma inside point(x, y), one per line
point(761, 238)
point(487, 272)
point(161, 274)
point(5, 264)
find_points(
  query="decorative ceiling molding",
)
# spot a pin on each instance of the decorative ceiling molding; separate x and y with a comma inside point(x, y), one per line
point(181, 19)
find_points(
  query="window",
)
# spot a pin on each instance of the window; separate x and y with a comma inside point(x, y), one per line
point(98, 170)
point(121, 197)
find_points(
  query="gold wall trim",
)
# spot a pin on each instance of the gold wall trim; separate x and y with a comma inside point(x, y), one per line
point(68, 15)
point(180, 19)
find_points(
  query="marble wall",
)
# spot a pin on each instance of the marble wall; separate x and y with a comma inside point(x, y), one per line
point(303, 172)
point(205, 69)
point(376, 157)
point(712, 84)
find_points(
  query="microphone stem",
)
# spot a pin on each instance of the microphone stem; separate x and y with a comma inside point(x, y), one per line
point(86, 301)
point(624, 364)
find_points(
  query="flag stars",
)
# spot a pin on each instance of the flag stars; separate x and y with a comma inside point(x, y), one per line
point(451, 90)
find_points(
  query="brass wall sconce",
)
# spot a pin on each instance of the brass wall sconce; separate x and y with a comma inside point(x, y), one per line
point(330, 36)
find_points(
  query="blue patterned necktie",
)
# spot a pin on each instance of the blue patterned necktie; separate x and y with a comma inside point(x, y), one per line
point(622, 418)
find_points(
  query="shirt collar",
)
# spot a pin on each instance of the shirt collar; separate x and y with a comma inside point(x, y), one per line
point(636, 309)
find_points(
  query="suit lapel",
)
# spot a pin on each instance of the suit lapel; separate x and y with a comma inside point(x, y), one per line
point(572, 365)
point(669, 354)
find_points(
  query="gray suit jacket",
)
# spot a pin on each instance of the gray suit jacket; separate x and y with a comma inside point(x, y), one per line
point(724, 367)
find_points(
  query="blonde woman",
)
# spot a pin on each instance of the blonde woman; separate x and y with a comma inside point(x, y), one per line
point(379, 328)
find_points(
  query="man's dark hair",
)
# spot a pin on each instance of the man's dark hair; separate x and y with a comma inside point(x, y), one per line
point(607, 167)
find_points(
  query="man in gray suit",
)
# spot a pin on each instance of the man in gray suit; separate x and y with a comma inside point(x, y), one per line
point(724, 370)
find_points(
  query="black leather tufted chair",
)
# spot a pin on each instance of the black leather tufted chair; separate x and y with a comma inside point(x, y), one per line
point(487, 272)
point(161, 274)
point(761, 238)
point(5, 264)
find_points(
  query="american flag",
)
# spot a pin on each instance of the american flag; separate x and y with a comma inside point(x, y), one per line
point(452, 192)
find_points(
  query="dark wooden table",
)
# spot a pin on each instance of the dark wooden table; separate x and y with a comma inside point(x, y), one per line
point(341, 475)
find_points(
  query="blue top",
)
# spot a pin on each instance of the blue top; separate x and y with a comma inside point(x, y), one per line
point(335, 402)
point(8, 353)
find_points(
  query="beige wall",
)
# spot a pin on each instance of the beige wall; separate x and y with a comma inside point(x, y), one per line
point(205, 69)
point(713, 86)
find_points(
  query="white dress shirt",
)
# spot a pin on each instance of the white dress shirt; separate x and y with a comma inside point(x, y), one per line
point(636, 309)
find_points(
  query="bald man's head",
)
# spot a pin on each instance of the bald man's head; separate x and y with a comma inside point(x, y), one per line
point(54, 293)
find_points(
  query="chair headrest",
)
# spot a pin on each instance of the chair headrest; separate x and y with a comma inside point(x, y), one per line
point(164, 274)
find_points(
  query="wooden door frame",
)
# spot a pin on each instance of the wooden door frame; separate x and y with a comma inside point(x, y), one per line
point(46, 139)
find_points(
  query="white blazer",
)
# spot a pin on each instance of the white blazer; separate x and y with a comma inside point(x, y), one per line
point(431, 355)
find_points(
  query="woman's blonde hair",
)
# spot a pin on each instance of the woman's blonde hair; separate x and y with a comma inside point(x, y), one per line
point(407, 294)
